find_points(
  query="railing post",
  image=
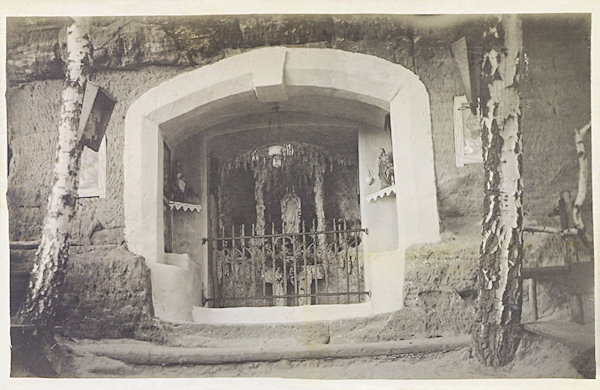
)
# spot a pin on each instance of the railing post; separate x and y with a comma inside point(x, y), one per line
point(305, 300)
point(284, 279)
point(337, 262)
point(357, 240)
point(264, 269)
point(323, 249)
point(214, 272)
point(241, 264)
point(293, 239)
point(316, 273)
point(346, 260)
point(276, 289)
point(253, 260)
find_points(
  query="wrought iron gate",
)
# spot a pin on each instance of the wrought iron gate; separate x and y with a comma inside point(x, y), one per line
point(286, 269)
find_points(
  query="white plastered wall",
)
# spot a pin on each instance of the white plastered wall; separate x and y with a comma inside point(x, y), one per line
point(416, 199)
point(274, 74)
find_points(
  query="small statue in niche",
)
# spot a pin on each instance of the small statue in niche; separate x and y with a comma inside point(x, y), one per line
point(181, 191)
point(385, 162)
point(178, 184)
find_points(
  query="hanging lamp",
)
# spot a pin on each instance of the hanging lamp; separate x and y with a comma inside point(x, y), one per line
point(275, 151)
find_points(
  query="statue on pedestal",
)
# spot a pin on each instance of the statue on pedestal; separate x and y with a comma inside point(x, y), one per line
point(385, 162)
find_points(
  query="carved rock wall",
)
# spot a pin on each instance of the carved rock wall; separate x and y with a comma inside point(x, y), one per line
point(106, 292)
point(33, 112)
point(134, 54)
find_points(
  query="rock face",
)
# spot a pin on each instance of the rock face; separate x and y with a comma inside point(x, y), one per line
point(107, 294)
point(109, 289)
point(439, 289)
point(33, 116)
point(36, 44)
point(135, 54)
point(36, 48)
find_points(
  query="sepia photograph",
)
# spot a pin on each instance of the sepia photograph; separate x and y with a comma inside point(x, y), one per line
point(300, 195)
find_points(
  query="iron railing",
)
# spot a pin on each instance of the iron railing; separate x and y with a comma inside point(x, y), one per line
point(286, 269)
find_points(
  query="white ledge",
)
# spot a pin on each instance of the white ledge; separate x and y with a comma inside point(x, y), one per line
point(281, 314)
point(185, 206)
point(382, 193)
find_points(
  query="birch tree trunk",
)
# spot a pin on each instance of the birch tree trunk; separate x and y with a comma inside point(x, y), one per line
point(496, 333)
point(52, 255)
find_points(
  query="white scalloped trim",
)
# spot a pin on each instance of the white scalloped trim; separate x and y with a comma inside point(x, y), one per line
point(387, 191)
point(184, 206)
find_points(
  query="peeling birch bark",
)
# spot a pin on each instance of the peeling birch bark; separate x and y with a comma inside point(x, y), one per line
point(583, 178)
point(48, 271)
point(496, 330)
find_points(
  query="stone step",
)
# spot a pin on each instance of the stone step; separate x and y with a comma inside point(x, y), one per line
point(358, 330)
point(394, 326)
point(193, 335)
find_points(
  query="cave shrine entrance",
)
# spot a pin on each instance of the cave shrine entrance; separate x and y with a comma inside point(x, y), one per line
point(333, 96)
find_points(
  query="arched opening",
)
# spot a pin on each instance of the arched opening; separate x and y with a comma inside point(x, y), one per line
point(328, 98)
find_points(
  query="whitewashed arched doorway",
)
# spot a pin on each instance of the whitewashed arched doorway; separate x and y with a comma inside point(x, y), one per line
point(396, 217)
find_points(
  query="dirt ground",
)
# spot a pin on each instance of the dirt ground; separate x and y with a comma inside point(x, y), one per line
point(537, 358)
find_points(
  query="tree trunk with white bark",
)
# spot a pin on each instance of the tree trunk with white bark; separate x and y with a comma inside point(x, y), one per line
point(496, 333)
point(52, 255)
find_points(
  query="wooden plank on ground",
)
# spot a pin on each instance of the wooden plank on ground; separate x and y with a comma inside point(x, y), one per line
point(536, 272)
point(151, 354)
point(565, 332)
point(24, 244)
